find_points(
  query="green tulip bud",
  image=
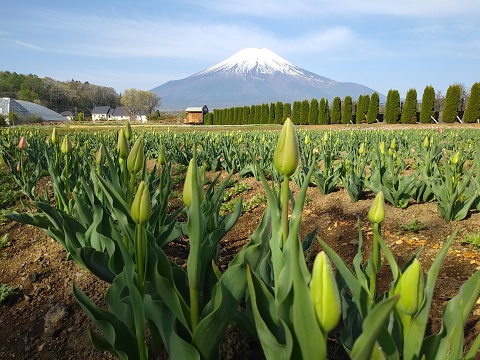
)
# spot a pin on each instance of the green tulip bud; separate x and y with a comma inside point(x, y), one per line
point(390, 152)
point(141, 205)
point(410, 288)
point(66, 145)
point(190, 181)
point(22, 144)
point(376, 214)
point(128, 131)
point(122, 145)
point(361, 150)
point(136, 158)
point(307, 140)
point(426, 142)
point(287, 152)
point(55, 138)
point(456, 158)
point(161, 155)
point(324, 293)
point(325, 137)
point(100, 156)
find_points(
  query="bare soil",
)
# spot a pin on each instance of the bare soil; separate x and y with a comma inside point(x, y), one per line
point(45, 322)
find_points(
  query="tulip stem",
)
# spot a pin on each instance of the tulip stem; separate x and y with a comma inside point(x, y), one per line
point(284, 203)
point(376, 261)
point(140, 253)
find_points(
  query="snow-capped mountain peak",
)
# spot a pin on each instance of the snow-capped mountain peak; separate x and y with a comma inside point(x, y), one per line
point(251, 61)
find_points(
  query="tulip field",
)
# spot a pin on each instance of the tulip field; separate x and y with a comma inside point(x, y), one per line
point(289, 243)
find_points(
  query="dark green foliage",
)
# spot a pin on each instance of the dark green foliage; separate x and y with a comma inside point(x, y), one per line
point(296, 112)
point(208, 119)
point(313, 114)
point(452, 100)
point(362, 108)
point(287, 111)
point(279, 113)
point(472, 112)
point(304, 111)
point(347, 110)
point(409, 111)
point(271, 114)
point(336, 114)
point(246, 114)
point(428, 105)
point(258, 114)
point(392, 107)
point(321, 112)
point(251, 118)
point(373, 108)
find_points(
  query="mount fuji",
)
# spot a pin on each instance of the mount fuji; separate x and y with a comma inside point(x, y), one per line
point(253, 76)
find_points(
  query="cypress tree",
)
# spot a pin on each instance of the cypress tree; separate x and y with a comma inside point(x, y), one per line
point(251, 118)
point(336, 113)
point(347, 116)
point(321, 112)
point(362, 108)
point(304, 111)
point(287, 111)
point(326, 115)
point(452, 100)
point(409, 111)
point(392, 107)
point(358, 111)
point(296, 112)
point(271, 114)
point(246, 114)
point(279, 113)
point(265, 114)
point(258, 114)
point(313, 113)
point(472, 112)
point(373, 108)
point(428, 105)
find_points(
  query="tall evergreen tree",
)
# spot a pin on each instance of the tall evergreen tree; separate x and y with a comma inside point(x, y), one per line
point(336, 112)
point(452, 100)
point(265, 114)
point(304, 111)
point(327, 112)
point(373, 108)
point(321, 112)
point(287, 111)
point(409, 111)
point(296, 112)
point(313, 114)
point(472, 112)
point(427, 110)
point(279, 113)
point(271, 114)
point(251, 118)
point(392, 107)
point(347, 111)
point(358, 109)
point(258, 114)
point(362, 108)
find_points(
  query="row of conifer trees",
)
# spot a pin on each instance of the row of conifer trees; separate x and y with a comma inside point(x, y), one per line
point(366, 109)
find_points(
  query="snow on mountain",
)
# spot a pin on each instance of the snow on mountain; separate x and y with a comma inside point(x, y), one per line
point(249, 77)
point(253, 60)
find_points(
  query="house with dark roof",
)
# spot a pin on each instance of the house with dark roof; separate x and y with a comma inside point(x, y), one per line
point(101, 113)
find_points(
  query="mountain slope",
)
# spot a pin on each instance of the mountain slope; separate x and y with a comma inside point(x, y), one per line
point(252, 76)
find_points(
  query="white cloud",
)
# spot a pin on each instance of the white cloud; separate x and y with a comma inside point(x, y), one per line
point(30, 46)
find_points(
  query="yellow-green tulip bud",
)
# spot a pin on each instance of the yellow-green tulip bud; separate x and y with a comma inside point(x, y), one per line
point(122, 145)
point(426, 142)
point(128, 131)
point(287, 152)
point(325, 137)
point(136, 158)
point(100, 156)
point(390, 152)
point(141, 205)
point(190, 182)
point(66, 145)
point(376, 214)
point(324, 293)
point(161, 155)
point(361, 150)
point(55, 138)
point(307, 139)
point(456, 158)
point(381, 147)
point(393, 144)
point(410, 288)
point(22, 144)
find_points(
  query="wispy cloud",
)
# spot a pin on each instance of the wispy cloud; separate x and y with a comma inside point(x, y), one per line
point(30, 46)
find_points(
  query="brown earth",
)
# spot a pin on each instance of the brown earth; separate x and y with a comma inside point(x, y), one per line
point(45, 322)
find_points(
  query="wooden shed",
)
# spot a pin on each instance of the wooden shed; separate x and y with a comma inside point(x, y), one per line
point(195, 114)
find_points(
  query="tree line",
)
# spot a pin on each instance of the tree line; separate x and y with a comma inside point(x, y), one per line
point(58, 96)
point(456, 105)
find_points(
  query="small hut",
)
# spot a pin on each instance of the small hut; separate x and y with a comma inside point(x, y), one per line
point(195, 115)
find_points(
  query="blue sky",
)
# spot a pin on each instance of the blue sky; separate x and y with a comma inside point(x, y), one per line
point(383, 44)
